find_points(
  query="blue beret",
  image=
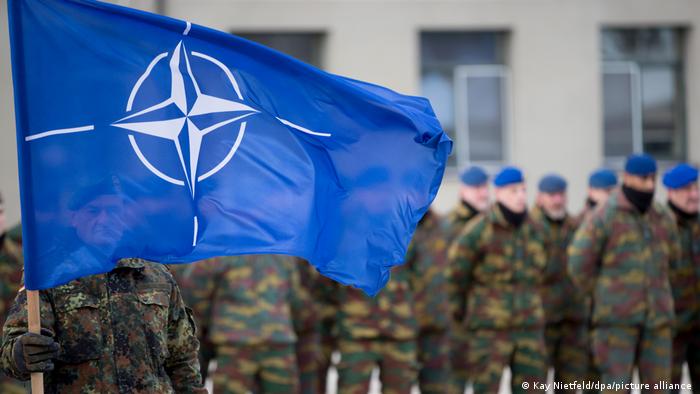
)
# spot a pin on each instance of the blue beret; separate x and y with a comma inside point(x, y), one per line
point(640, 164)
point(474, 176)
point(602, 179)
point(552, 183)
point(680, 176)
point(507, 176)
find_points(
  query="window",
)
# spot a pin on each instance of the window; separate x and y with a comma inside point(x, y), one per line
point(306, 47)
point(643, 98)
point(464, 76)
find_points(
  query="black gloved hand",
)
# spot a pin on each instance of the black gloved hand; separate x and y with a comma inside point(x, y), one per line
point(34, 352)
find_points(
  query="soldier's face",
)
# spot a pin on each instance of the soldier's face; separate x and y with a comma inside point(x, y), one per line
point(514, 197)
point(476, 196)
point(686, 198)
point(554, 204)
point(600, 196)
point(99, 223)
point(641, 183)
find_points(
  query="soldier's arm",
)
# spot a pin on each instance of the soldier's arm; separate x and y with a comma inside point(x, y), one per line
point(585, 252)
point(428, 262)
point(182, 365)
point(16, 325)
point(461, 257)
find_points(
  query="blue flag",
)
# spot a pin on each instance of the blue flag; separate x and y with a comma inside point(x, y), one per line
point(146, 136)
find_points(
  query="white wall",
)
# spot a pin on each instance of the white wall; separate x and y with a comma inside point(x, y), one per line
point(554, 59)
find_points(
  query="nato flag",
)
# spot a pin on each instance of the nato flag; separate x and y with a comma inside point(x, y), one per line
point(146, 136)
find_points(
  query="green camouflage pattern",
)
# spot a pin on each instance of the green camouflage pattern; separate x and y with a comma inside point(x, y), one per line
point(260, 300)
point(459, 336)
point(569, 353)
point(396, 360)
point(11, 266)
point(498, 271)
point(263, 368)
point(127, 331)
point(308, 347)
point(199, 283)
point(559, 296)
point(428, 253)
point(493, 350)
point(685, 285)
point(618, 349)
point(622, 259)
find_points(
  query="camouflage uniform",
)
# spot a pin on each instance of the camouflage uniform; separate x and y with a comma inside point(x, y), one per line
point(459, 335)
point(11, 265)
point(126, 331)
point(685, 283)
point(198, 283)
point(260, 309)
point(496, 287)
point(429, 254)
point(566, 332)
point(622, 257)
point(379, 331)
point(312, 363)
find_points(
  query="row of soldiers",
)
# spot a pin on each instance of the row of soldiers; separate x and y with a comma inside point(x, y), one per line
point(493, 285)
point(490, 286)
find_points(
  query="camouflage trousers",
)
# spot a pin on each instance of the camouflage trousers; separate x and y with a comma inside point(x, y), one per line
point(459, 364)
point(490, 351)
point(434, 362)
point(569, 352)
point(269, 368)
point(329, 344)
point(617, 349)
point(686, 348)
point(396, 361)
point(308, 349)
point(9, 385)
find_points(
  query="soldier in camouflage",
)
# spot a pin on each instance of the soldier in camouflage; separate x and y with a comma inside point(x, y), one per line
point(621, 254)
point(499, 261)
point(199, 283)
point(313, 362)
point(379, 331)
point(428, 252)
point(11, 265)
point(126, 331)
point(260, 310)
point(601, 183)
point(683, 198)
point(566, 331)
point(474, 198)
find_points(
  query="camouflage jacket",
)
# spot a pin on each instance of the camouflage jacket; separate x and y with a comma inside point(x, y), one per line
point(260, 300)
point(126, 331)
point(457, 219)
point(11, 266)
point(622, 257)
point(428, 254)
point(498, 273)
point(685, 275)
point(391, 314)
point(560, 298)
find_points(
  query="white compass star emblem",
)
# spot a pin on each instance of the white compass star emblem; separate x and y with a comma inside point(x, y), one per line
point(171, 128)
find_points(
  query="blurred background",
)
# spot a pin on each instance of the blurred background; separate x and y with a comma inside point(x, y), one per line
point(550, 85)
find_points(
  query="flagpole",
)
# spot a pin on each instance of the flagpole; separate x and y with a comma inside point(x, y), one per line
point(34, 319)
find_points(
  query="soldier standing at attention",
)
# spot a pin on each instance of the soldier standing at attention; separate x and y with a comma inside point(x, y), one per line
point(260, 310)
point(11, 265)
point(474, 198)
point(683, 197)
point(566, 332)
point(499, 261)
point(621, 254)
point(126, 331)
point(428, 252)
